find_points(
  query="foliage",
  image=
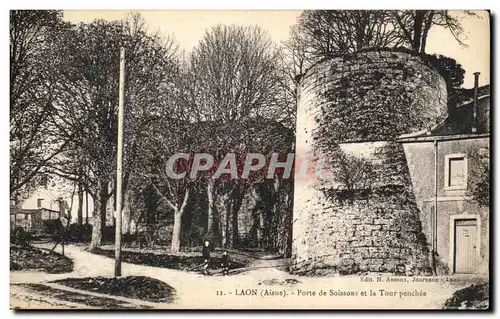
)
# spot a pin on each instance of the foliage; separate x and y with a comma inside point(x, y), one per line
point(18, 236)
point(238, 86)
point(452, 72)
point(35, 89)
point(90, 54)
point(80, 232)
point(330, 32)
point(476, 296)
point(171, 102)
point(352, 177)
point(52, 227)
point(325, 33)
point(136, 287)
point(174, 260)
point(31, 258)
point(480, 176)
point(414, 25)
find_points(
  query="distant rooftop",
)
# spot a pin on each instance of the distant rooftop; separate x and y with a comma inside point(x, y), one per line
point(14, 210)
point(467, 95)
point(460, 121)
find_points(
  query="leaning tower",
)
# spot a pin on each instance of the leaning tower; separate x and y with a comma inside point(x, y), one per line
point(361, 103)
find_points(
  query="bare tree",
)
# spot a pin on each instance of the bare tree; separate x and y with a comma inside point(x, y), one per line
point(234, 77)
point(333, 32)
point(353, 175)
point(414, 26)
point(167, 137)
point(233, 73)
point(91, 52)
point(35, 86)
point(293, 64)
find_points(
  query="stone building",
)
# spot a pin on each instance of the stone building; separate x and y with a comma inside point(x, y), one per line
point(443, 162)
point(368, 105)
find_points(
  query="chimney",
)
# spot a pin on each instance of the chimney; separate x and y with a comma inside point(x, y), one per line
point(474, 110)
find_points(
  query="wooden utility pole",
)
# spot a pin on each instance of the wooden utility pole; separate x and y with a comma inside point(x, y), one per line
point(118, 230)
point(434, 217)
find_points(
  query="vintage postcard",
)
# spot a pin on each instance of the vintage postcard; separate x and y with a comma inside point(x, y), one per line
point(316, 159)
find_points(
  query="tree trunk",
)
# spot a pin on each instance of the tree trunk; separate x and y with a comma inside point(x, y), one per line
point(276, 233)
point(289, 221)
point(262, 229)
point(224, 209)
point(425, 31)
point(70, 210)
point(213, 215)
point(228, 208)
point(96, 240)
point(417, 29)
point(130, 219)
point(99, 215)
point(126, 213)
point(229, 223)
point(235, 238)
point(225, 214)
point(176, 234)
point(80, 204)
point(238, 196)
point(103, 206)
point(86, 207)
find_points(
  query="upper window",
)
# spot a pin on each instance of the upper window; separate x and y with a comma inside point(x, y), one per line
point(455, 172)
point(39, 202)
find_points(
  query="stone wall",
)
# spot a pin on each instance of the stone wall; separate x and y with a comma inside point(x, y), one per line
point(376, 95)
point(380, 233)
point(369, 96)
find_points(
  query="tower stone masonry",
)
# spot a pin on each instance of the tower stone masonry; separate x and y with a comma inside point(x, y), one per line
point(360, 103)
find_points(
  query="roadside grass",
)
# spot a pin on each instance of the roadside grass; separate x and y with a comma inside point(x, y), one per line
point(134, 287)
point(32, 258)
point(187, 261)
point(474, 297)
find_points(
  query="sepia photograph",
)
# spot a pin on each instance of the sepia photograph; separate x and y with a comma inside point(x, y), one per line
point(258, 159)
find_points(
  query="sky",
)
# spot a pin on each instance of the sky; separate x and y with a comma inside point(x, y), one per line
point(188, 28)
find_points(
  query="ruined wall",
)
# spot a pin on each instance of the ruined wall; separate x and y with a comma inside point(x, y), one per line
point(380, 233)
point(368, 96)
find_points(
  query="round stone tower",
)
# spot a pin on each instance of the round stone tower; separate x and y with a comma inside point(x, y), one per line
point(359, 104)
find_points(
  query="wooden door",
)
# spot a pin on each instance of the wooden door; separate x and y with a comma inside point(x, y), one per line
point(466, 246)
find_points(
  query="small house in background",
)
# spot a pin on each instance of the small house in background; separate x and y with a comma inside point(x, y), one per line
point(443, 162)
point(38, 211)
point(36, 221)
point(59, 195)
